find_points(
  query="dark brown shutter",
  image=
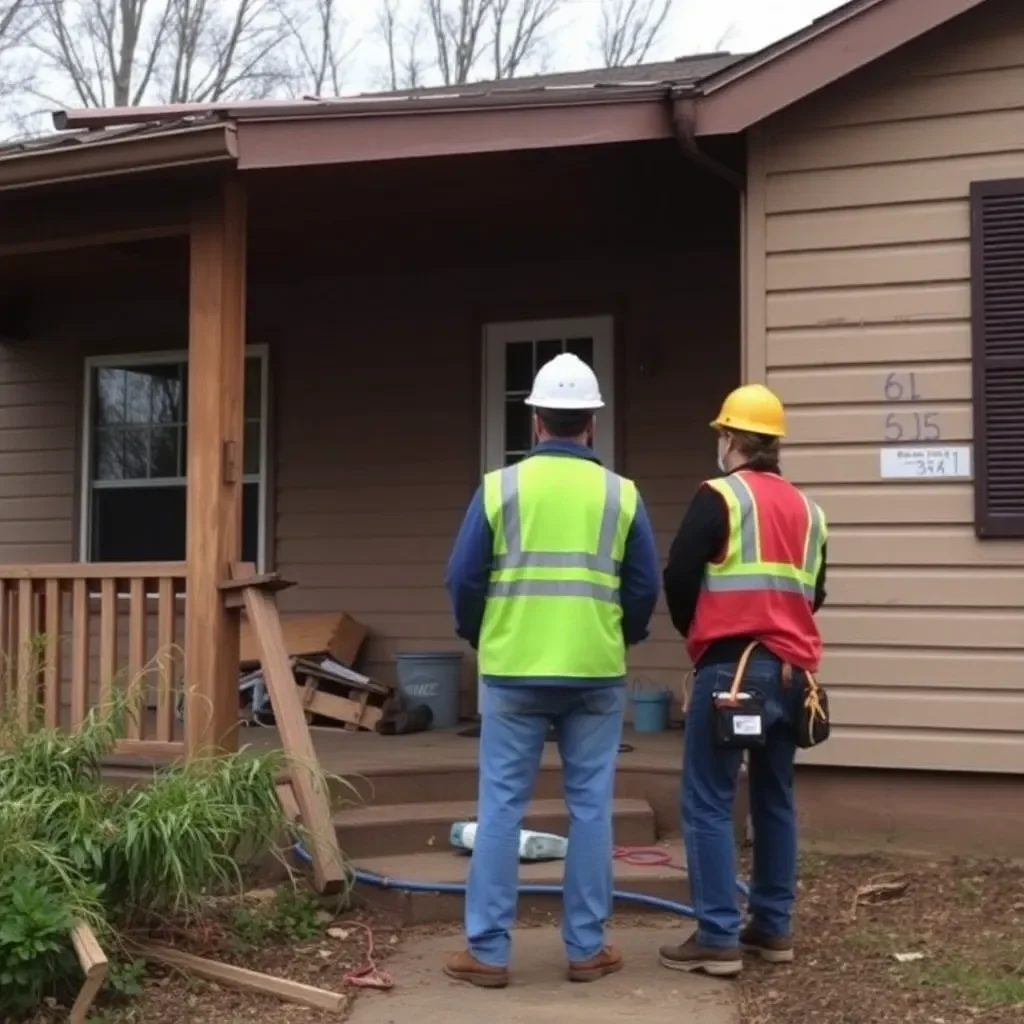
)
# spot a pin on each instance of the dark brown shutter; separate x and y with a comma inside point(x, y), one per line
point(997, 326)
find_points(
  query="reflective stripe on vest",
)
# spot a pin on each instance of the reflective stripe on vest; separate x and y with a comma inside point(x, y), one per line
point(742, 567)
point(505, 566)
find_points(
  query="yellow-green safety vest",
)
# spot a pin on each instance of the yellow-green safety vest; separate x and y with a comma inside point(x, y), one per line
point(560, 526)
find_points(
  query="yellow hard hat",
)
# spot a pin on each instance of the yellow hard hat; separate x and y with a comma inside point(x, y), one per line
point(754, 408)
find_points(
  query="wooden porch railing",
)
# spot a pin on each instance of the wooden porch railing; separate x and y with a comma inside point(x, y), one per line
point(72, 634)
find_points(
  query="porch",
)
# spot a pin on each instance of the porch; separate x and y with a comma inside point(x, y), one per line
point(392, 312)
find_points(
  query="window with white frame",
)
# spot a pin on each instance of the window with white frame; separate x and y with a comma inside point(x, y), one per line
point(135, 440)
point(513, 353)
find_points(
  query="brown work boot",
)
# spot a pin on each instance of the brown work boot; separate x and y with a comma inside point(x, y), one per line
point(608, 961)
point(463, 966)
point(692, 956)
point(773, 949)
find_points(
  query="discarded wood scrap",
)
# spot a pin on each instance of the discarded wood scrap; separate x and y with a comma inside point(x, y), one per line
point(94, 965)
point(307, 782)
point(321, 651)
point(244, 979)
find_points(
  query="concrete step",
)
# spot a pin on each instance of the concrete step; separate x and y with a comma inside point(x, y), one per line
point(388, 829)
point(664, 881)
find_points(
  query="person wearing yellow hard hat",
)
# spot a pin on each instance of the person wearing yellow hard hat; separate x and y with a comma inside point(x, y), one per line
point(553, 575)
point(744, 577)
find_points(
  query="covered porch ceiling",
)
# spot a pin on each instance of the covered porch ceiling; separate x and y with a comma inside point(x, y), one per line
point(427, 214)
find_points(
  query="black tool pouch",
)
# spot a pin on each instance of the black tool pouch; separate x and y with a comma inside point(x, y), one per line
point(737, 716)
point(815, 724)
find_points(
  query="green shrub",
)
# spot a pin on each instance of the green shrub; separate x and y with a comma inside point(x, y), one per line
point(72, 848)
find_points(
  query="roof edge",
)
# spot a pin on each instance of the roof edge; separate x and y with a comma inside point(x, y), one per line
point(124, 155)
point(381, 104)
point(740, 96)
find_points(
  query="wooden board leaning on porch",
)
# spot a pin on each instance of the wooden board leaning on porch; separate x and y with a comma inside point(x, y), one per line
point(256, 594)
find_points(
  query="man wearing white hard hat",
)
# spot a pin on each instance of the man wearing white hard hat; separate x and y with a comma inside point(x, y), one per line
point(553, 575)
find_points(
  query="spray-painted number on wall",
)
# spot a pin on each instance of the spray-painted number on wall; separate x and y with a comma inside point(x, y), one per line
point(913, 426)
point(901, 387)
point(908, 426)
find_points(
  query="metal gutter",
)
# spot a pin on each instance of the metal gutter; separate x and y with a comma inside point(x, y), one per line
point(126, 154)
point(372, 106)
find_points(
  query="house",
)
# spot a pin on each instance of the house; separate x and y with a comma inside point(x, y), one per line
point(323, 315)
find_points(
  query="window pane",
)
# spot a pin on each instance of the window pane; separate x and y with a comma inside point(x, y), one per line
point(137, 388)
point(519, 366)
point(163, 452)
point(253, 388)
point(167, 398)
point(136, 452)
point(147, 524)
point(547, 350)
point(108, 454)
point(518, 432)
point(108, 393)
point(138, 524)
point(582, 347)
point(250, 523)
point(251, 449)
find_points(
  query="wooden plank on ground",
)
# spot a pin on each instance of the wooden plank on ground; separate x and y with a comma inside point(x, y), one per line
point(246, 980)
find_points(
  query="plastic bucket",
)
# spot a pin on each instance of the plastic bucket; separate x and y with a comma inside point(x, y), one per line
point(433, 678)
point(650, 710)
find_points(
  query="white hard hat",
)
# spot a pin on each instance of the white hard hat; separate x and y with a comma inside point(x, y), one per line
point(565, 382)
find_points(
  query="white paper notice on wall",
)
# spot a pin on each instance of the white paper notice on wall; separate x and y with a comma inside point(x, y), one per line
point(952, 463)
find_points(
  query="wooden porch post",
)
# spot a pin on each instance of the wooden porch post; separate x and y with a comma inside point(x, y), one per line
point(216, 375)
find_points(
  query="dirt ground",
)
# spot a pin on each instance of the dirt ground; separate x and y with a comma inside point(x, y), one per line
point(880, 940)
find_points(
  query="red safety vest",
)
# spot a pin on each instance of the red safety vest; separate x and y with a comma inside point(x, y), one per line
point(763, 584)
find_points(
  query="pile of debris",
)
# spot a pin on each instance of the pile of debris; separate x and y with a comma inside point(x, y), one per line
point(322, 650)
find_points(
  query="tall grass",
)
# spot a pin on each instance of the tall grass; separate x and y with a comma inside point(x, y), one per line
point(120, 858)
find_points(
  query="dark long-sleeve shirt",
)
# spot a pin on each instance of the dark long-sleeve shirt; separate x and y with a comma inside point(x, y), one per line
point(469, 566)
point(701, 539)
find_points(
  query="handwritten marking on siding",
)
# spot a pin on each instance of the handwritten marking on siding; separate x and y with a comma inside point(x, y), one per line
point(921, 425)
point(925, 463)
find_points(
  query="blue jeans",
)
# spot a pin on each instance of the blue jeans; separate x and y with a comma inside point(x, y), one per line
point(514, 726)
point(709, 790)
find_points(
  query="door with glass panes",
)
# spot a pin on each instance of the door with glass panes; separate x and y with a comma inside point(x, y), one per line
point(513, 352)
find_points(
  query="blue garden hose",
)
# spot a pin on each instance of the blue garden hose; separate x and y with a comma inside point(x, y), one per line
point(459, 888)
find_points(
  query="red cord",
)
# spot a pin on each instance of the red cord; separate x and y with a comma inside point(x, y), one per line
point(369, 975)
point(643, 856)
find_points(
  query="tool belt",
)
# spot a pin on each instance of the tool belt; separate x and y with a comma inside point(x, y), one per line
point(738, 719)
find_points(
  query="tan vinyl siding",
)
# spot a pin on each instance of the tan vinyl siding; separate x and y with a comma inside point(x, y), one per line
point(38, 432)
point(862, 200)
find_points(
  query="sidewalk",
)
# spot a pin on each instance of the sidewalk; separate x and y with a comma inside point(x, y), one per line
point(642, 992)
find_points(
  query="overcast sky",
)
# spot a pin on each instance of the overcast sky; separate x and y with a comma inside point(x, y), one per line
point(694, 26)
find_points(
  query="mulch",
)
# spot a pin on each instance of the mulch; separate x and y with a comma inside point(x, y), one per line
point(882, 940)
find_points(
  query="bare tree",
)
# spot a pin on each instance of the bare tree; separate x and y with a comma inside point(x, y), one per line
point(321, 40)
point(459, 29)
point(16, 20)
point(518, 29)
point(127, 52)
point(471, 38)
point(402, 41)
point(628, 29)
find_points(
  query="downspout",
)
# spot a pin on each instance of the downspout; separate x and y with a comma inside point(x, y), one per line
point(683, 114)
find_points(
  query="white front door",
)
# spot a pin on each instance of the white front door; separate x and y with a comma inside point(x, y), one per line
point(513, 352)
